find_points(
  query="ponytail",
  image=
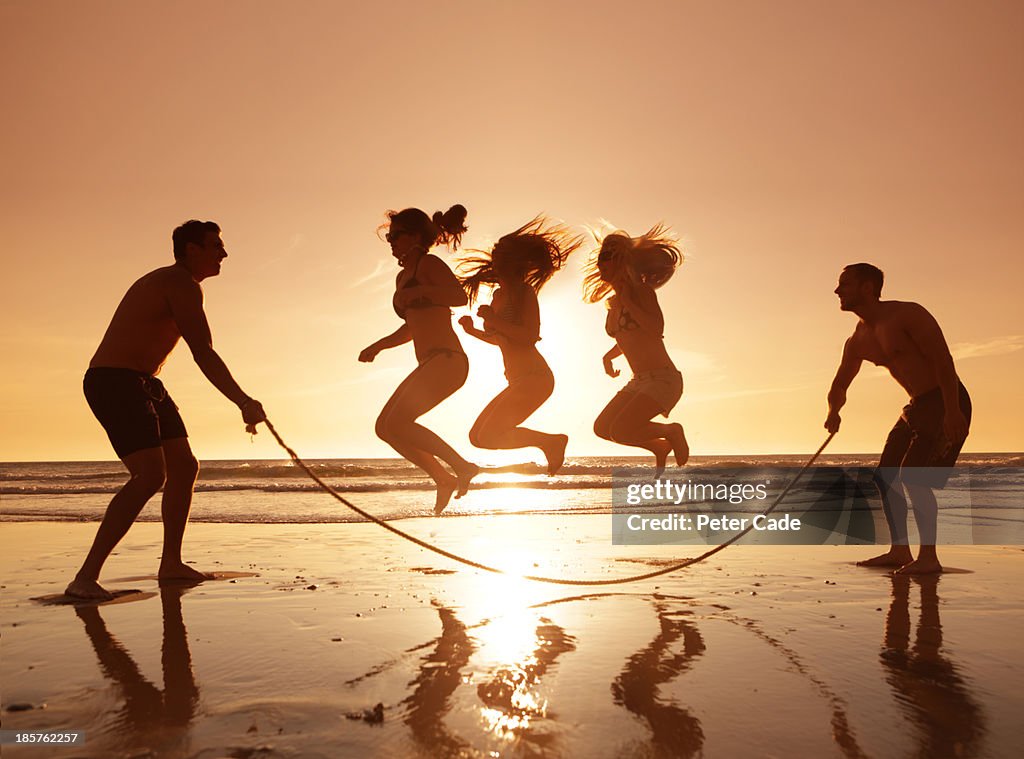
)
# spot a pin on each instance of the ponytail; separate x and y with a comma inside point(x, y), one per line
point(450, 225)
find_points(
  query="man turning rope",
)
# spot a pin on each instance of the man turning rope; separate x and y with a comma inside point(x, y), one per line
point(928, 436)
point(135, 409)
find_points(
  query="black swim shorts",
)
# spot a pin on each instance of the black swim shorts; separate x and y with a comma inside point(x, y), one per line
point(134, 408)
point(918, 439)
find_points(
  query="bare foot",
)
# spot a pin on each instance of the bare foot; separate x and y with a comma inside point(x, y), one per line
point(660, 448)
point(555, 453)
point(445, 490)
point(896, 556)
point(181, 572)
point(464, 476)
point(677, 438)
point(921, 566)
point(87, 589)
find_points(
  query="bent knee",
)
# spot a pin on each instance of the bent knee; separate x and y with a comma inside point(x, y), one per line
point(388, 428)
point(150, 479)
point(382, 428)
point(482, 437)
point(621, 431)
point(184, 469)
point(603, 429)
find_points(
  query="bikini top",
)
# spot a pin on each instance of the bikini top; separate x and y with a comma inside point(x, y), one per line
point(624, 323)
point(422, 302)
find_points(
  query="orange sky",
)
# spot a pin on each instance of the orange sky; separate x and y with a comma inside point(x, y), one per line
point(779, 140)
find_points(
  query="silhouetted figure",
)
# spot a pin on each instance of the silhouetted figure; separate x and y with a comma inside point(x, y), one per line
point(439, 676)
point(150, 717)
point(927, 686)
point(425, 292)
point(630, 269)
point(674, 731)
point(138, 414)
point(906, 340)
point(519, 265)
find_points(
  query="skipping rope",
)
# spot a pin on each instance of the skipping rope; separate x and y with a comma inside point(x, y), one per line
point(537, 578)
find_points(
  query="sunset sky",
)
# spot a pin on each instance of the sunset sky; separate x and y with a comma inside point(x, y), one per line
point(779, 140)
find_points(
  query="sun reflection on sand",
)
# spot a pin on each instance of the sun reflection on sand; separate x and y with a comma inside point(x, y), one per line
point(514, 648)
point(508, 637)
point(524, 706)
point(523, 647)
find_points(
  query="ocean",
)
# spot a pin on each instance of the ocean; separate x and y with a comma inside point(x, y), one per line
point(985, 487)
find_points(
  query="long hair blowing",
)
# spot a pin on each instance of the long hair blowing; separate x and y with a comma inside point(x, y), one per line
point(651, 258)
point(531, 255)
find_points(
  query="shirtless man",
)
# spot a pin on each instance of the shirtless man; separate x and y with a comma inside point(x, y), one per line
point(906, 340)
point(139, 416)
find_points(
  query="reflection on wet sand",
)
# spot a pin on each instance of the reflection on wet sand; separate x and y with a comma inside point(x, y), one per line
point(674, 731)
point(510, 698)
point(930, 691)
point(439, 676)
point(511, 705)
point(513, 710)
point(150, 718)
point(842, 733)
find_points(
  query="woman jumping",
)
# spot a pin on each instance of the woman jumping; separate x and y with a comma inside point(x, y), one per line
point(519, 265)
point(630, 269)
point(425, 291)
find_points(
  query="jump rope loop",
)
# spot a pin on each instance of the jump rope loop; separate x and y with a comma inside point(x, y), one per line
point(538, 578)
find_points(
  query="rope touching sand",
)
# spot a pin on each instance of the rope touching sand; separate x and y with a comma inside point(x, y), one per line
point(552, 580)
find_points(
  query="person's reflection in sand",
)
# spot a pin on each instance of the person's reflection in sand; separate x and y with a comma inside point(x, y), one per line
point(675, 732)
point(439, 676)
point(926, 684)
point(511, 705)
point(150, 717)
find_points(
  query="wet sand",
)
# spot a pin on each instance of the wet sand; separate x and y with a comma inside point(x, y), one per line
point(760, 651)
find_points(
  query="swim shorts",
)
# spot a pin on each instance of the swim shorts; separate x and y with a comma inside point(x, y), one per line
point(663, 385)
point(918, 439)
point(134, 408)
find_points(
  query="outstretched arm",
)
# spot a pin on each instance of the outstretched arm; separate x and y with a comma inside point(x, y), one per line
point(400, 336)
point(849, 365)
point(186, 301)
point(927, 335)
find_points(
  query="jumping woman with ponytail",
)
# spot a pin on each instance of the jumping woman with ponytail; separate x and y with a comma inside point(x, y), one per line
point(425, 292)
point(629, 270)
point(518, 265)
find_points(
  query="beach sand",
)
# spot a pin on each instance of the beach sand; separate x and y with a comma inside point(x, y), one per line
point(760, 651)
